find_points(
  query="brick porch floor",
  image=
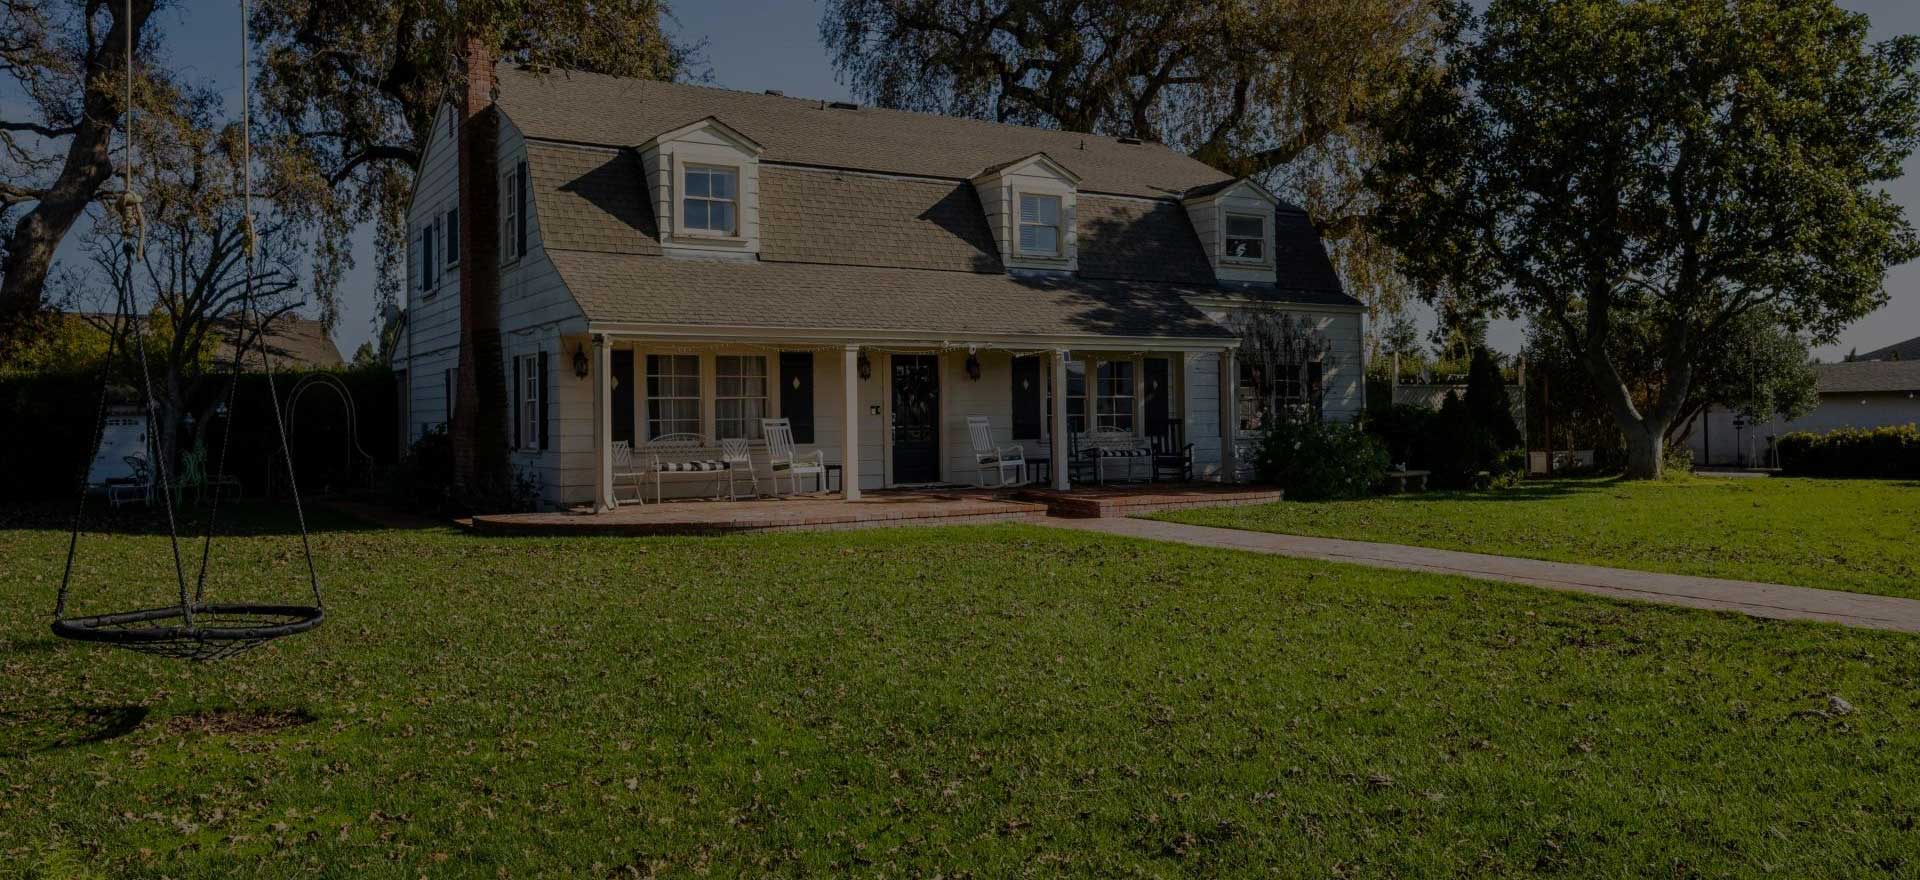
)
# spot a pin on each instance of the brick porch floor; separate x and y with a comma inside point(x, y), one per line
point(893, 507)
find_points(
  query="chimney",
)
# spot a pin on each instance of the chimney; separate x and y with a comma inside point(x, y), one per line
point(479, 418)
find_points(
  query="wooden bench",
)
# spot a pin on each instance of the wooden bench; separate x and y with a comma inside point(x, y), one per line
point(1399, 479)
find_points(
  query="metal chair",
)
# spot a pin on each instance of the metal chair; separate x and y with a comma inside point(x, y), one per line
point(737, 452)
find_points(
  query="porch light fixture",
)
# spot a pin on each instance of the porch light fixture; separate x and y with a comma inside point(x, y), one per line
point(866, 367)
point(973, 366)
point(580, 360)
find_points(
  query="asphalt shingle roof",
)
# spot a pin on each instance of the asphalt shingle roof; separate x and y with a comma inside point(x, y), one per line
point(591, 108)
point(844, 246)
point(1899, 351)
point(1864, 377)
point(805, 296)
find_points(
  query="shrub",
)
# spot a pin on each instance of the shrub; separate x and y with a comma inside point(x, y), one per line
point(1406, 431)
point(422, 481)
point(1679, 461)
point(1455, 445)
point(1314, 460)
point(1852, 452)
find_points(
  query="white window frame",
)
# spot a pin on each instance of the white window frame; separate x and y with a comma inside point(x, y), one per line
point(510, 215)
point(1059, 224)
point(1227, 239)
point(751, 422)
point(681, 425)
point(1106, 388)
point(529, 413)
point(733, 203)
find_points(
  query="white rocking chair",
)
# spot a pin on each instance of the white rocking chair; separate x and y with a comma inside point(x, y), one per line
point(782, 456)
point(988, 456)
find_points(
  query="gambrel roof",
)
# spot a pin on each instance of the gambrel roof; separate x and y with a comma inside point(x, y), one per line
point(868, 219)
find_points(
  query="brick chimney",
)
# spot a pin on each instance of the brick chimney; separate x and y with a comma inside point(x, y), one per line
point(479, 422)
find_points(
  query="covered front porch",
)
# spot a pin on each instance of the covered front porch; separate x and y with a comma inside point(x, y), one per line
point(874, 509)
point(887, 413)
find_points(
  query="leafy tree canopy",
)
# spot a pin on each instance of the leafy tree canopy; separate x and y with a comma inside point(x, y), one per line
point(1681, 163)
point(1280, 89)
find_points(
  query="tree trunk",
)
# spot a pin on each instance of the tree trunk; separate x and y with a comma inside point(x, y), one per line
point(479, 429)
point(89, 162)
point(1646, 451)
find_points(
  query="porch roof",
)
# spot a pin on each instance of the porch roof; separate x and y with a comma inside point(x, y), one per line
point(638, 288)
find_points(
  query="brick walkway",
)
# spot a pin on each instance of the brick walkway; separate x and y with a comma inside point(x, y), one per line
point(1746, 597)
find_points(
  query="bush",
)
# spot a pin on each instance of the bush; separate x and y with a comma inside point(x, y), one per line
point(422, 481)
point(1678, 461)
point(1406, 431)
point(1892, 452)
point(1314, 460)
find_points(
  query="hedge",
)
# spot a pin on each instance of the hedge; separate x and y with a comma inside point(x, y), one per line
point(1889, 452)
point(49, 417)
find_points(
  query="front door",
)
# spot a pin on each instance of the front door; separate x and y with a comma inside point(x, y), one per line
point(916, 418)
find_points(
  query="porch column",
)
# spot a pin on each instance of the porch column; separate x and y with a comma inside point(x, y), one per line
point(1060, 463)
point(1229, 419)
point(850, 434)
point(602, 425)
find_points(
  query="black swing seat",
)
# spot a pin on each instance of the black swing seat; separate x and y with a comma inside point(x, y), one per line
point(217, 631)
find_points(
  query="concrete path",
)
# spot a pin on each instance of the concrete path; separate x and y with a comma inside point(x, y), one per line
point(1745, 597)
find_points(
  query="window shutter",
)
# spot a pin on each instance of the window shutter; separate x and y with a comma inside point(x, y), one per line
point(520, 195)
point(796, 393)
point(1156, 391)
point(453, 236)
point(427, 264)
point(1315, 385)
point(518, 415)
point(1026, 398)
point(506, 217)
point(544, 421)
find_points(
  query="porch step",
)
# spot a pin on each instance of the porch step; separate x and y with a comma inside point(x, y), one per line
point(1100, 502)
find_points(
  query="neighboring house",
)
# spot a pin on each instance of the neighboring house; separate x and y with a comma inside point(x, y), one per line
point(711, 257)
point(1854, 394)
point(294, 343)
point(1899, 351)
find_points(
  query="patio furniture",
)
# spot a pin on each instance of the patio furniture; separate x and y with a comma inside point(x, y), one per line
point(1172, 455)
point(138, 488)
point(1109, 447)
point(1401, 478)
point(681, 455)
point(193, 475)
point(624, 468)
point(989, 456)
point(833, 478)
point(782, 456)
point(737, 452)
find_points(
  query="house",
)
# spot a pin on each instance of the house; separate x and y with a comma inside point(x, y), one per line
point(1899, 351)
point(294, 343)
point(686, 259)
point(1853, 394)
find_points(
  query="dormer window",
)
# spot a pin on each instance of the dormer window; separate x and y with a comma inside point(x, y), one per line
point(711, 203)
point(1039, 225)
point(1246, 238)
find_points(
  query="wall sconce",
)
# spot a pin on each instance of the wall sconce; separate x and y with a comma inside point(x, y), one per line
point(580, 361)
point(973, 366)
point(866, 367)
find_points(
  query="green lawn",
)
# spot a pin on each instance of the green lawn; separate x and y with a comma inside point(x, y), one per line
point(1853, 535)
point(988, 702)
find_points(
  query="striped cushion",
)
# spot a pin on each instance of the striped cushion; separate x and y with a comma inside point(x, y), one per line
point(692, 466)
point(1125, 453)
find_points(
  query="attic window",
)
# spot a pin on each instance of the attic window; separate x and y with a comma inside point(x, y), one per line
point(710, 204)
point(1246, 238)
point(1040, 225)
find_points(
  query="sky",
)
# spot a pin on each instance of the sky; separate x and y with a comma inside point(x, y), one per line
point(776, 45)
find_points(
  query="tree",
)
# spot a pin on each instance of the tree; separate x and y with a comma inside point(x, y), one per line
point(68, 63)
point(348, 89)
point(1597, 164)
point(1282, 90)
point(1487, 402)
point(192, 281)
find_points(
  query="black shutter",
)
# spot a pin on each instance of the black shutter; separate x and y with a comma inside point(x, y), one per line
point(1026, 398)
point(427, 264)
point(1315, 386)
point(520, 193)
point(796, 393)
point(623, 395)
point(1157, 390)
point(453, 236)
point(545, 431)
point(516, 419)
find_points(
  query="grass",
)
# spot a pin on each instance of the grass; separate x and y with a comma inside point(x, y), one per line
point(1852, 535)
point(988, 701)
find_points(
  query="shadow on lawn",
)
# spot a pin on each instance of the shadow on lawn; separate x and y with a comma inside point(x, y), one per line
point(27, 731)
point(1533, 490)
point(244, 519)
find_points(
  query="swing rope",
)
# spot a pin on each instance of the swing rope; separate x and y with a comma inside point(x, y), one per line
point(240, 626)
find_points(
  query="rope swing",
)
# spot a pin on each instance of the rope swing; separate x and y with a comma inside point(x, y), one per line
point(193, 628)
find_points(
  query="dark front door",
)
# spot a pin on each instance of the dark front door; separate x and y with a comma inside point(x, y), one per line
point(916, 418)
